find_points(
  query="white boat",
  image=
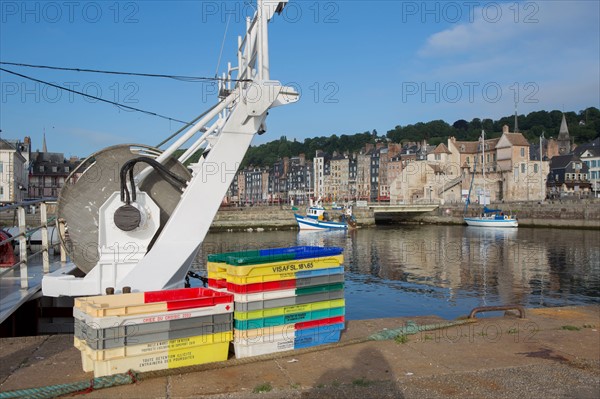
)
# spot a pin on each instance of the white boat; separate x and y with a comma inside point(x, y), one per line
point(489, 217)
point(492, 218)
point(317, 218)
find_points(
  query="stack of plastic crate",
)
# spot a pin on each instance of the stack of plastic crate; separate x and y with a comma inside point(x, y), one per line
point(284, 298)
point(153, 330)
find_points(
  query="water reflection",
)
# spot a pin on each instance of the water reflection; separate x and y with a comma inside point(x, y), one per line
point(447, 270)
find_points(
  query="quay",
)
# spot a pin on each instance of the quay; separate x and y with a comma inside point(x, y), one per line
point(584, 214)
point(551, 353)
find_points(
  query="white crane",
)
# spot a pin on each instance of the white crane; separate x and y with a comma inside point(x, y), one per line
point(136, 217)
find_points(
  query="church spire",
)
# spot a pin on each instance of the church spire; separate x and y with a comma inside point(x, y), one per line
point(564, 130)
point(44, 148)
point(564, 141)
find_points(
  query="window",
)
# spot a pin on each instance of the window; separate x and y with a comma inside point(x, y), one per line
point(535, 168)
point(1, 167)
point(522, 152)
point(594, 175)
point(593, 165)
point(41, 168)
point(523, 168)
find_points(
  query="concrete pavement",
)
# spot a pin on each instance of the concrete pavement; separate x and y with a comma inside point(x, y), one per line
point(552, 353)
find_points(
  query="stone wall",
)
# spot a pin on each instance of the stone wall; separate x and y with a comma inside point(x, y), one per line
point(578, 214)
point(271, 218)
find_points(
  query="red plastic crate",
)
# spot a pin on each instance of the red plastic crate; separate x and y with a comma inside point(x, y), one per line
point(260, 287)
point(188, 293)
point(319, 322)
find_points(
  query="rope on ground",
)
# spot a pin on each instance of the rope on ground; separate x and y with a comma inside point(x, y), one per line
point(133, 377)
point(54, 391)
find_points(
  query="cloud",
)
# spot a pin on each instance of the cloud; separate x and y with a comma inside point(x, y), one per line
point(549, 53)
point(512, 27)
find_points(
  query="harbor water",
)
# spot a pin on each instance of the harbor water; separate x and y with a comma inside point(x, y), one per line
point(445, 270)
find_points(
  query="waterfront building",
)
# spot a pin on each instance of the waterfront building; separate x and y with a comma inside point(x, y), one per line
point(256, 185)
point(48, 173)
point(568, 177)
point(363, 173)
point(353, 167)
point(319, 162)
point(590, 155)
point(447, 172)
point(299, 179)
point(339, 177)
point(278, 183)
point(374, 174)
point(14, 157)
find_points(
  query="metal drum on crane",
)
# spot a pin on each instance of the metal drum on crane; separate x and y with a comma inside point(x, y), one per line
point(90, 185)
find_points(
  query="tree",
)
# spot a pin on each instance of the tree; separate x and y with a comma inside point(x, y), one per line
point(461, 124)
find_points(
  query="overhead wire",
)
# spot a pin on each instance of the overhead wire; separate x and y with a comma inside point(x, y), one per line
point(95, 97)
point(176, 77)
point(148, 75)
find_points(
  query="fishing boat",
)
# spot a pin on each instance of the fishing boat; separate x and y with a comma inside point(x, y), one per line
point(317, 218)
point(489, 217)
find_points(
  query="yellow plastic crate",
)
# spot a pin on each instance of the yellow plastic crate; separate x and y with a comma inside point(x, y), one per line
point(152, 347)
point(285, 266)
point(167, 359)
point(285, 310)
point(219, 270)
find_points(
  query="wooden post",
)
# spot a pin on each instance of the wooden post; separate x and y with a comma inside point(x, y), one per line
point(45, 253)
point(61, 232)
point(23, 247)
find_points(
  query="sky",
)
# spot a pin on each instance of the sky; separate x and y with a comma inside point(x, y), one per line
point(359, 65)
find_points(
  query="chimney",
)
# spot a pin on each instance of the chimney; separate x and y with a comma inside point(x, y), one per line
point(504, 129)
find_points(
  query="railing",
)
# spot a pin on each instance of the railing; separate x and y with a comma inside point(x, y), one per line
point(26, 232)
point(449, 185)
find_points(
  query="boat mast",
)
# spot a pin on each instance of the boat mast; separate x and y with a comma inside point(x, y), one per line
point(483, 163)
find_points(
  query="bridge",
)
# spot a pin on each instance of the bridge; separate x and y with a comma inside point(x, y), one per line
point(411, 208)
